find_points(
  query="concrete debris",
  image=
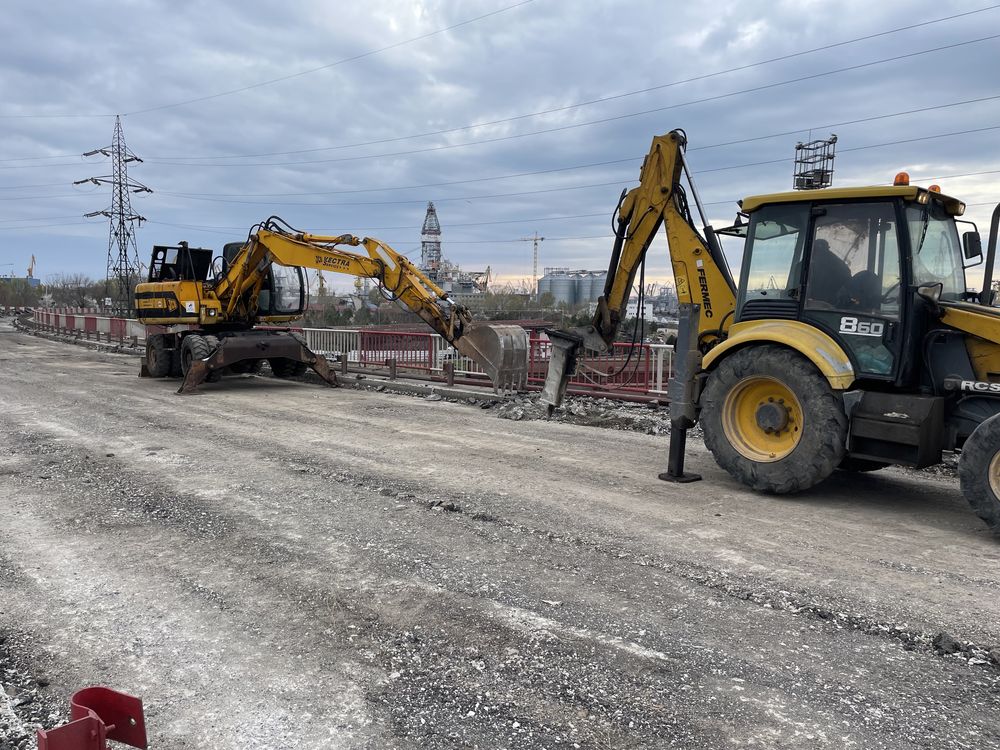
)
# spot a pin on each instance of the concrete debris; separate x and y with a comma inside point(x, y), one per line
point(944, 643)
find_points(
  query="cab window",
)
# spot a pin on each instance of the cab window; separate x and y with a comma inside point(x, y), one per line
point(936, 250)
point(854, 260)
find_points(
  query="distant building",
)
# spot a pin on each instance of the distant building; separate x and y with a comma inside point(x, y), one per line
point(29, 280)
point(569, 287)
point(449, 277)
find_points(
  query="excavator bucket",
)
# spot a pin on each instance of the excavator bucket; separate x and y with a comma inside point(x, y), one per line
point(501, 350)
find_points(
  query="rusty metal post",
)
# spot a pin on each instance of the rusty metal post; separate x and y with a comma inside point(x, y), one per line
point(343, 363)
point(391, 364)
point(449, 373)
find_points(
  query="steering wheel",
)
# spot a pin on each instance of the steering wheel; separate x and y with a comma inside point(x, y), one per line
point(886, 296)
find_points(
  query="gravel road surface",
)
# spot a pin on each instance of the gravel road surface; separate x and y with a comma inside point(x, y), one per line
point(279, 565)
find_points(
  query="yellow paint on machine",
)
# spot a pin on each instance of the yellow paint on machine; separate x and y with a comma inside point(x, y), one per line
point(813, 344)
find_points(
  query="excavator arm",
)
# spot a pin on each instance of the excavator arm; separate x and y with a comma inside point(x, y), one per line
point(701, 274)
point(500, 350)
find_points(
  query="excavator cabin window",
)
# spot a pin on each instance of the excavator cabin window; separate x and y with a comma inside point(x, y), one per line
point(181, 263)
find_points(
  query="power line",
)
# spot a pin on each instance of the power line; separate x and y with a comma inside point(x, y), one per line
point(292, 75)
point(782, 160)
point(593, 164)
point(599, 100)
point(601, 121)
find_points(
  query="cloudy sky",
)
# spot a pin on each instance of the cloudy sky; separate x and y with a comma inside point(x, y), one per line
point(513, 117)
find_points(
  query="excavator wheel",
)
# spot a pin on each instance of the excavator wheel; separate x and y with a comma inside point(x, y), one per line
point(158, 356)
point(979, 472)
point(215, 375)
point(246, 367)
point(194, 346)
point(287, 368)
point(772, 421)
point(290, 368)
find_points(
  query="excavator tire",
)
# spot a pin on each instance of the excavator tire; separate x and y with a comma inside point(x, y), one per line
point(979, 472)
point(176, 370)
point(290, 368)
point(215, 375)
point(158, 356)
point(771, 420)
point(246, 367)
point(194, 346)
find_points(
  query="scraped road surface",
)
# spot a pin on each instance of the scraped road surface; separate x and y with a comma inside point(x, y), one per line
point(280, 565)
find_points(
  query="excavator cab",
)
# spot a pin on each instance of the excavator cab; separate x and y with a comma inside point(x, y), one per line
point(179, 263)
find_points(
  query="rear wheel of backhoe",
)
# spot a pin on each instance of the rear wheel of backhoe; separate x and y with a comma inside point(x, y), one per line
point(194, 346)
point(771, 420)
point(979, 472)
point(158, 356)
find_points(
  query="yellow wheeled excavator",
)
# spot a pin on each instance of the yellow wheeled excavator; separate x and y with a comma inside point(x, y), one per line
point(209, 306)
point(849, 341)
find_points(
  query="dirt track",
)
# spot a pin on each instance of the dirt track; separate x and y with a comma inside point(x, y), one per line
point(278, 565)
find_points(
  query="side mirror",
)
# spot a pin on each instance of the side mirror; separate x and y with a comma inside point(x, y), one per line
point(972, 248)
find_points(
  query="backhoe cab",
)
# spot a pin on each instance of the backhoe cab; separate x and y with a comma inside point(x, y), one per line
point(205, 310)
point(850, 341)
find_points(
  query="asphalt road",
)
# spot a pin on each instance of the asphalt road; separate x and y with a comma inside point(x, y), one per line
point(280, 565)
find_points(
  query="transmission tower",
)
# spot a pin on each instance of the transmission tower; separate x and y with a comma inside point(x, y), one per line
point(534, 261)
point(123, 255)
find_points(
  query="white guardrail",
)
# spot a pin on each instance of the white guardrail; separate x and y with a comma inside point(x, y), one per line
point(330, 342)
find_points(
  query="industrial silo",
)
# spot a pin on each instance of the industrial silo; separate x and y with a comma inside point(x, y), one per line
point(563, 288)
point(597, 281)
point(544, 286)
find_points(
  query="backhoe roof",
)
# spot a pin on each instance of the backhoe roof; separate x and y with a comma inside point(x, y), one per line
point(907, 192)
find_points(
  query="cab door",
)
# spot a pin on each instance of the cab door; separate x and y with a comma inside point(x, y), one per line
point(853, 282)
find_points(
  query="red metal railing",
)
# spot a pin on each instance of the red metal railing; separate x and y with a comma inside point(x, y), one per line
point(413, 351)
point(627, 367)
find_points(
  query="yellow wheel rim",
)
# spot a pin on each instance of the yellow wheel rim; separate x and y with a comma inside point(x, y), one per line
point(995, 475)
point(763, 419)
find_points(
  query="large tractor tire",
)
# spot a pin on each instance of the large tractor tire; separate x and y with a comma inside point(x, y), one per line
point(979, 472)
point(158, 356)
point(771, 420)
point(194, 346)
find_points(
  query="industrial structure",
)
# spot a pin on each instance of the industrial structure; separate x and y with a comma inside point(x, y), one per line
point(123, 255)
point(814, 163)
point(452, 279)
point(569, 287)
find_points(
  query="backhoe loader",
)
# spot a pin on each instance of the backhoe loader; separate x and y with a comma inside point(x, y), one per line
point(210, 306)
point(849, 341)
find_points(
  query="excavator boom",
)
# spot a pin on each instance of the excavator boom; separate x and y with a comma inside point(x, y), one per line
point(233, 299)
point(701, 273)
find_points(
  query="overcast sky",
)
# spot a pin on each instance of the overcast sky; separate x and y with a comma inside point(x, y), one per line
point(339, 117)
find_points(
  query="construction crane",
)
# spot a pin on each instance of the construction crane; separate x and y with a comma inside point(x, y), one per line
point(534, 261)
point(31, 268)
